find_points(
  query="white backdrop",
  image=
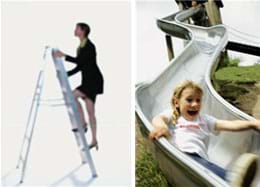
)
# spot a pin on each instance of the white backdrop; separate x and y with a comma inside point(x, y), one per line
point(27, 27)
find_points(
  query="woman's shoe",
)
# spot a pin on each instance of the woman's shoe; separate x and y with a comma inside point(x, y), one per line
point(93, 145)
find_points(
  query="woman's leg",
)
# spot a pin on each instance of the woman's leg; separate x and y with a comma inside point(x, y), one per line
point(92, 119)
point(78, 94)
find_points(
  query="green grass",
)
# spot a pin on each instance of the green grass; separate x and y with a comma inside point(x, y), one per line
point(147, 171)
point(237, 85)
point(226, 61)
point(232, 62)
point(244, 75)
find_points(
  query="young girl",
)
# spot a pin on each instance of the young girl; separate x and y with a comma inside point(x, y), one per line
point(191, 131)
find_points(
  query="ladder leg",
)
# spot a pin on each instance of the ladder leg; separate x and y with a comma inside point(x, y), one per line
point(87, 153)
point(29, 119)
point(80, 135)
point(30, 126)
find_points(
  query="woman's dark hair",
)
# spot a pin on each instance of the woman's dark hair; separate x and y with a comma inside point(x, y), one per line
point(85, 28)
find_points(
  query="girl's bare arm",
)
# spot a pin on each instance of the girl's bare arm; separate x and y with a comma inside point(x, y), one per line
point(236, 125)
point(160, 127)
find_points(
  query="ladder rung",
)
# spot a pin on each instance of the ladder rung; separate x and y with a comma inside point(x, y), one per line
point(21, 159)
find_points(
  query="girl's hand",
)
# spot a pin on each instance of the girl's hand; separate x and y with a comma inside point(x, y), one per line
point(58, 54)
point(160, 127)
point(159, 132)
point(257, 124)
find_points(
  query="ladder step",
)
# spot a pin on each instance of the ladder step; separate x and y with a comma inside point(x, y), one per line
point(21, 159)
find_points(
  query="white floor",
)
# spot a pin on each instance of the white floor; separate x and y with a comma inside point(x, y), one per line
point(54, 159)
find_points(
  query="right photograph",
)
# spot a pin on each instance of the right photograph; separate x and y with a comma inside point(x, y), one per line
point(197, 93)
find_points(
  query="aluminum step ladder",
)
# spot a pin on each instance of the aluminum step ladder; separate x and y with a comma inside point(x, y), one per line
point(72, 109)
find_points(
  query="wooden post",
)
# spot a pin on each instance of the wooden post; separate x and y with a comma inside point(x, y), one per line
point(169, 47)
point(213, 13)
point(214, 16)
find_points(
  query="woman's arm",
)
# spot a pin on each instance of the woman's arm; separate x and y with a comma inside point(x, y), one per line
point(237, 125)
point(73, 71)
point(81, 59)
point(67, 57)
point(160, 127)
point(70, 58)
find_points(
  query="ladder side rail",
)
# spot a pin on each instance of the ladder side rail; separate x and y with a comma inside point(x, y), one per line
point(32, 119)
point(62, 75)
point(29, 118)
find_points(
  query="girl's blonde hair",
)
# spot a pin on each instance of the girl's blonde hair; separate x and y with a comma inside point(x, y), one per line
point(177, 95)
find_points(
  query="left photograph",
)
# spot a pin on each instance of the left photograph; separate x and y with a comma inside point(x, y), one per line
point(64, 119)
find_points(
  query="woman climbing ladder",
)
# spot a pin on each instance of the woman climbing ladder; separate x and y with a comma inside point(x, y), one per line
point(92, 79)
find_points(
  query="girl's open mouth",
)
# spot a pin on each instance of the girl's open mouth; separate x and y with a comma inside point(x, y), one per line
point(193, 112)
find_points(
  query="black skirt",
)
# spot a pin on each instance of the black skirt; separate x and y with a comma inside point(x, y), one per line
point(85, 91)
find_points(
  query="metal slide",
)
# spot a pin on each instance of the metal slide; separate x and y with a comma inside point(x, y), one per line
point(197, 62)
